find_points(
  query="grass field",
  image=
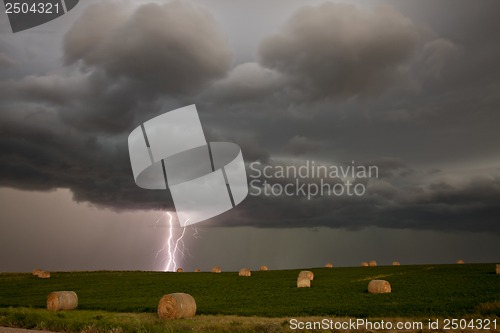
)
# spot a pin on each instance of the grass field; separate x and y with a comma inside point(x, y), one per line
point(430, 291)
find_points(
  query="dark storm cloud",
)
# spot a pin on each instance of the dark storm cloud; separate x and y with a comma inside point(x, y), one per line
point(68, 128)
point(128, 63)
point(39, 153)
point(470, 206)
point(341, 50)
point(90, 102)
point(174, 48)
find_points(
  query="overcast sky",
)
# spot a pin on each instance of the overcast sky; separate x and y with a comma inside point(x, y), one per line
point(411, 87)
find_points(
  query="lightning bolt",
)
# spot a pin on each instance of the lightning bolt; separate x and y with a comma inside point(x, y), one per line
point(174, 248)
point(171, 256)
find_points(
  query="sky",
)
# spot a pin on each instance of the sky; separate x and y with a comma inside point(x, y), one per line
point(410, 87)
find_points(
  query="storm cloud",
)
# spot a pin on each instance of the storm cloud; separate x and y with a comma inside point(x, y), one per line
point(470, 204)
point(173, 48)
point(341, 50)
point(125, 62)
point(123, 65)
point(332, 83)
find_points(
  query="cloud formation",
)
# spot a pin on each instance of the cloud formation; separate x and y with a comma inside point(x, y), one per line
point(415, 203)
point(340, 50)
point(40, 153)
point(174, 48)
point(125, 63)
point(67, 128)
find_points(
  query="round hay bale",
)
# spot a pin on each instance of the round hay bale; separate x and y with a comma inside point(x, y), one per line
point(36, 271)
point(263, 268)
point(245, 272)
point(176, 306)
point(364, 264)
point(197, 270)
point(307, 275)
point(372, 263)
point(216, 269)
point(329, 265)
point(460, 262)
point(62, 300)
point(44, 275)
point(379, 287)
point(180, 270)
point(498, 269)
point(303, 282)
point(396, 263)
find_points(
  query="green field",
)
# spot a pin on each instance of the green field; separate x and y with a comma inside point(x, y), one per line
point(430, 291)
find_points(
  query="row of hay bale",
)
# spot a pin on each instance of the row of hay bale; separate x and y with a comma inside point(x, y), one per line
point(248, 272)
point(217, 269)
point(371, 263)
point(243, 271)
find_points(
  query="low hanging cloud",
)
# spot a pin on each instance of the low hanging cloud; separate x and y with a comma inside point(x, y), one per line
point(468, 205)
point(40, 153)
point(340, 50)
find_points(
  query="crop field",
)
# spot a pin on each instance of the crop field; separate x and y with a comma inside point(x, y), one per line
point(426, 291)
